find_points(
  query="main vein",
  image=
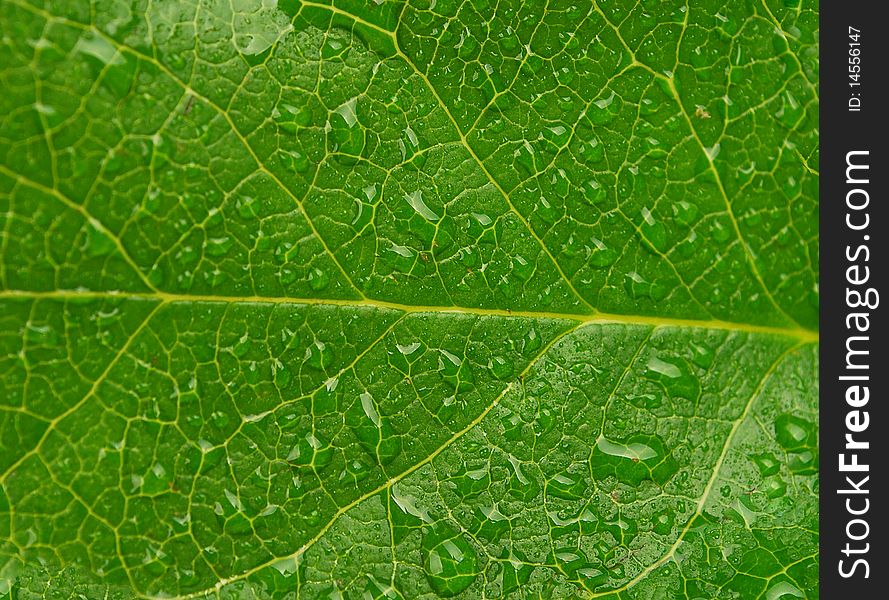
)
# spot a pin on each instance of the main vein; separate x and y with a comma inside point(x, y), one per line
point(798, 333)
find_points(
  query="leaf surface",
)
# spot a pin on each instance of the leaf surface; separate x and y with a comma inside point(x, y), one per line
point(408, 300)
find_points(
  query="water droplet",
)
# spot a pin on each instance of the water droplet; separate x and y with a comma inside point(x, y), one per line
point(157, 480)
point(522, 268)
point(783, 590)
point(531, 341)
point(662, 522)
point(703, 356)
point(400, 257)
point(604, 110)
point(310, 451)
point(346, 136)
point(601, 256)
point(685, 213)
point(376, 590)
point(773, 487)
point(654, 234)
point(220, 419)
point(318, 279)
point(97, 243)
point(634, 451)
point(795, 433)
point(374, 432)
point(638, 287)
point(472, 483)
point(594, 193)
point(98, 47)
point(567, 486)
point(804, 462)
point(640, 458)
point(501, 367)
point(291, 118)
point(524, 158)
point(242, 347)
point(448, 363)
point(521, 484)
point(247, 207)
point(319, 355)
point(449, 561)
point(409, 504)
point(415, 199)
point(293, 161)
point(766, 463)
point(675, 375)
point(791, 110)
point(721, 230)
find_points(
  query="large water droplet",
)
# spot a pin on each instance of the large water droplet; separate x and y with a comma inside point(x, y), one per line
point(346, 136)
point(522, 484)
point(415, 199)
point(318, 279)
point(501, 367)
point(310, 451)
point(639, 287)
point(685, 213)
point(675, 375)
point(654, 234)
point(795, 433)
point(783, 590)
point(766, 463)
point(567, 486)
point(450, 562)
point(374, 431)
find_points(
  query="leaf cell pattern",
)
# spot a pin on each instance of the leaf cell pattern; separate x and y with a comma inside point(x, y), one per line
point(419, 299)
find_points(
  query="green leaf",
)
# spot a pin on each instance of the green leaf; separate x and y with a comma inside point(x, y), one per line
point(408, 300)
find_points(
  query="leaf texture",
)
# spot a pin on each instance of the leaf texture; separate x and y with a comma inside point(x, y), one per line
point(408, 300)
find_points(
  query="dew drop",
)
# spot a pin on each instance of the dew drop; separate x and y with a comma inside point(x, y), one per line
point(654, 234)
point(685, 213)
point(318, 279)
point(501, 367)
point(675, 375)
point(638, 287)
point(450, 563)
point(783, 590)
point(795, 433)
point(346, 136)
point(766, 463)
point(415, 199)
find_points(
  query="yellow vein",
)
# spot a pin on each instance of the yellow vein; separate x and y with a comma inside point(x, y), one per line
point(797, 333)
point(464, 141)
point(711, 165)
point(713, 478)
point(77, 405)
point(82, 211)
point(392, 481)
point(222, 112)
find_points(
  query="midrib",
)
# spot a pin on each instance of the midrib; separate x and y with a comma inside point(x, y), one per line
point(803, 335)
